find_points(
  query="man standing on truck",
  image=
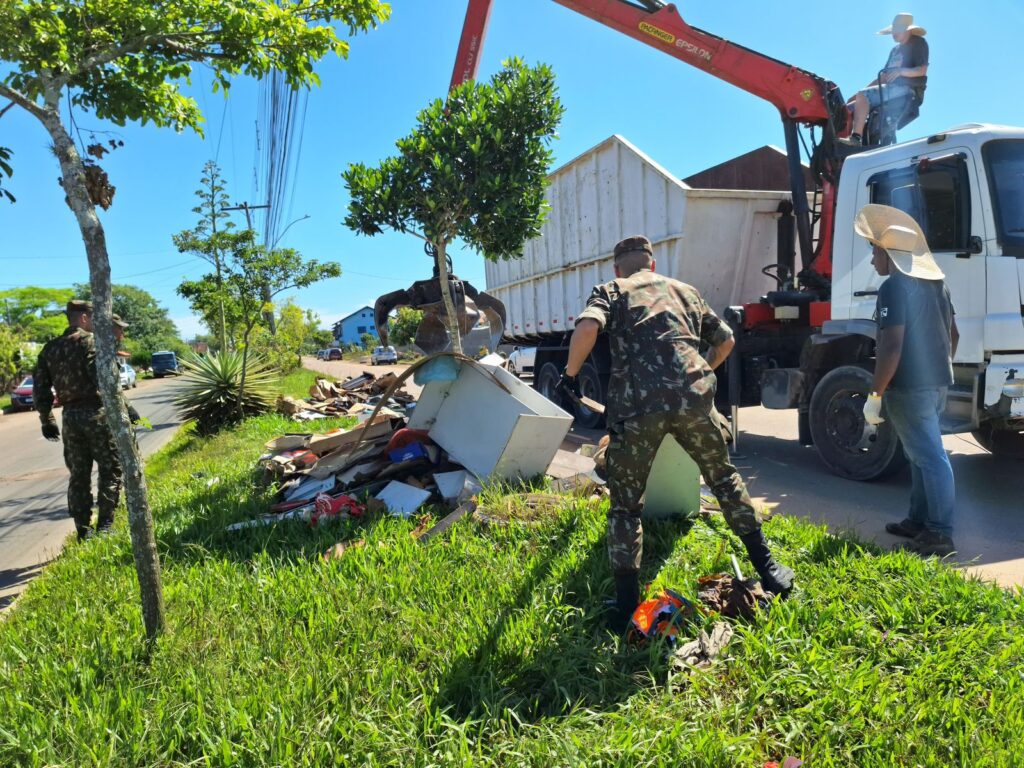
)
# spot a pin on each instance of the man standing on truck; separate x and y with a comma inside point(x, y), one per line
point(67, 364)
point(660, 384)
point(917, 338)
point(905, 70)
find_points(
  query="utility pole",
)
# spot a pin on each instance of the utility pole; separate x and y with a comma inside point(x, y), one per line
point(268, 316)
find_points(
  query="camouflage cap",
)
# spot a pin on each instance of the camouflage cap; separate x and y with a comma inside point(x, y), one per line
point(635, 243)
point(78, 305)
point(118, 321)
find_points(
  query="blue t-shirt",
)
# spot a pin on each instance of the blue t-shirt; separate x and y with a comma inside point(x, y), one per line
point(925, 310)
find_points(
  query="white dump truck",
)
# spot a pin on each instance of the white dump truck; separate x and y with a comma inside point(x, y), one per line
point(965, 186)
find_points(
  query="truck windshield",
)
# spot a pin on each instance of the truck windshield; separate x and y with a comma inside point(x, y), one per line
point(166, 358)
point(1004, 161)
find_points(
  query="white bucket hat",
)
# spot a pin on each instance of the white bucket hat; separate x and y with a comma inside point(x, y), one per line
point(901, 237)
point(904, 22)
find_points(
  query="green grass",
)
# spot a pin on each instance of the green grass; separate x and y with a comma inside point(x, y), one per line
point(5, 402)
point(486, 646)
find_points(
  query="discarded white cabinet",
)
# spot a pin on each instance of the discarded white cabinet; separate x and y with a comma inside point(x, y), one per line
point(491, 423)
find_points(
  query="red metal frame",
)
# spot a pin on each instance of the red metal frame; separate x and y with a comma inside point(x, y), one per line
point(799, 95)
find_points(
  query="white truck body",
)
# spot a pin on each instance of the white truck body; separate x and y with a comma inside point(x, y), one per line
point(715, 240)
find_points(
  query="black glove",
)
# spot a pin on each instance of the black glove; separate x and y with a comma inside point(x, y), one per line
point(51, 431)
point(133, 415)
point(569, 386)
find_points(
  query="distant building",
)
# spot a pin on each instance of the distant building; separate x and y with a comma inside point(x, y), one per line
point(350, 328)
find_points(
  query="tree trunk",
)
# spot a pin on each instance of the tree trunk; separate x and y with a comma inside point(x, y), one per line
point(449, 302)
point(245, 370)
point(147, 562)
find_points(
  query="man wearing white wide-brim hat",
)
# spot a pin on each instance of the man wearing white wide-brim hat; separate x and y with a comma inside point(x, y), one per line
point(917, 338)
point(905, 69)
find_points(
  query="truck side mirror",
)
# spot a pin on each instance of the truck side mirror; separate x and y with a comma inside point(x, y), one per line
point(974, 246)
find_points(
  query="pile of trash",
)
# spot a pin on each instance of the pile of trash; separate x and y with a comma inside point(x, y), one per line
point(470, 423)
point(357, 396)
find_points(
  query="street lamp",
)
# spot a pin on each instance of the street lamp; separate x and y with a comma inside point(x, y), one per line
point(278, 239)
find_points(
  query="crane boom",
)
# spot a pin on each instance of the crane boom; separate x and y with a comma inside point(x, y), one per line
point(801, 97)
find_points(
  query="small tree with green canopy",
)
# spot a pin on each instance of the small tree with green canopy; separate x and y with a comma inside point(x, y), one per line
point(403, 324)
point(213, 198)
point(250, 271)
point(37, 313)
point(126, 61)
point(475, 167)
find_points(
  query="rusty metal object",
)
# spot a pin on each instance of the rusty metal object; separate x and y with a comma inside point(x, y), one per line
point(471, 306)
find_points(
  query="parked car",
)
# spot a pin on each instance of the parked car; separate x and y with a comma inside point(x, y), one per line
point(321, 354)
point(333, 354)
point(21, 396)
point(383, 355)
point(129, 380)
point(163, 363)
point(521, 360)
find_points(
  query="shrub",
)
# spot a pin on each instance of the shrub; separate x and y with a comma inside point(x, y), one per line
point(210, 387)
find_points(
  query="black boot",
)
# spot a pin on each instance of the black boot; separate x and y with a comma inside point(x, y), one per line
point(84, 532)
point(105, 522)
point(774, 577)
point(627, 598)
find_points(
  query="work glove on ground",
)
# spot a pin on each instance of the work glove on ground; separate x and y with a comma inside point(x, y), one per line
point(873, 409)
point(133, 415)
point(569, 386)
point(774, 577)
point(51, 431)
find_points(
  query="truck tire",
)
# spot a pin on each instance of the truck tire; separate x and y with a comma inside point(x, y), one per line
point(843, 440)
point(590, 386)
point(1000, 442)
point(546, 382)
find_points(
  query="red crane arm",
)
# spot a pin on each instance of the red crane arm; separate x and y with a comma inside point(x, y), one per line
point(474, 29)
point(800, 96)
point(797, 94)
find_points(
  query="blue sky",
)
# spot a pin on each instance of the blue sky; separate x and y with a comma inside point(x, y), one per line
point(683, 118)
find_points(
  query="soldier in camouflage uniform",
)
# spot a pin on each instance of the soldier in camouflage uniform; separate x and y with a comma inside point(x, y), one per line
point(67, 364)
point(660, 384)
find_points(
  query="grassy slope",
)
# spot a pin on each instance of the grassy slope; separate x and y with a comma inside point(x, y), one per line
point(486, 647)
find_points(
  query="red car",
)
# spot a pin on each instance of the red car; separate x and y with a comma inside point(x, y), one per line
point(21, 397)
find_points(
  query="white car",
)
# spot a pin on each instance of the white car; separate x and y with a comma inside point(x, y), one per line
point(382, 355)
point(521, 360)
point(128, 378)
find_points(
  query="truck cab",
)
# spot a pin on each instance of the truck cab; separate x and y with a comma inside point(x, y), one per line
point(965, 187)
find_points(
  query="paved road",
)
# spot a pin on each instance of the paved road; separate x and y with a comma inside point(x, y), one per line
point(34, 522)
point(990, 491)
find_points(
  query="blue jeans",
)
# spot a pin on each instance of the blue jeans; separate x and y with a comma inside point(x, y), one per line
point(914, 414)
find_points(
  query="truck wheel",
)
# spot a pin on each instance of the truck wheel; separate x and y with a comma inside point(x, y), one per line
point(590, 386)
point(547, 381)
point(847, 444)
point(1000, 442)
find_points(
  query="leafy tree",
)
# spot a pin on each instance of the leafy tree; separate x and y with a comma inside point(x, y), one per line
point(284, 349)
point(320, 338)
point(213, 198)
point(249, 270)
point(150, 326)
point(368, 341)
point(403, 324)
point(126, 61)
point(37, 313)
point(10, 356)
point(474, 167)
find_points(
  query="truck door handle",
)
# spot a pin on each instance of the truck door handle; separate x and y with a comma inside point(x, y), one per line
point(865, 293)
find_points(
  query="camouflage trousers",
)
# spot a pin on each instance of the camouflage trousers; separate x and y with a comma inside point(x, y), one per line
point(631, 451)
point(87, 439)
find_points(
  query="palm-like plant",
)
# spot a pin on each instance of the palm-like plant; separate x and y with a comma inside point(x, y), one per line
point(209, 393)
